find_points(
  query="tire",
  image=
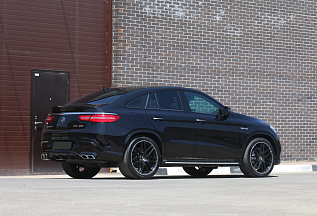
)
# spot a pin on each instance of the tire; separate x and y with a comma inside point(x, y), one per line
point(198, 171)
point(80, 171)
point(258, 159)
point(141, 159)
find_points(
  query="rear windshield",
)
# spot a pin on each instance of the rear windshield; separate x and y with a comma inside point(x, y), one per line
point(98, 97)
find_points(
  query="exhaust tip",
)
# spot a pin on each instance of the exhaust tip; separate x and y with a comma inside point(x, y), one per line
point(92, 157)
point(44, 156)
point(87, 157)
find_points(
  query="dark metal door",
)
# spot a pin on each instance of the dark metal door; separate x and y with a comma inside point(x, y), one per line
point(49, 88)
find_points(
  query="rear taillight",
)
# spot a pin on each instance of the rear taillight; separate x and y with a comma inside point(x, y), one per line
point(99, 118)
point(48, 119)
point(84, 117)
point(104, 118)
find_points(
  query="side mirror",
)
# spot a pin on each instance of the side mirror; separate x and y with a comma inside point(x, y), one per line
point(227, 111)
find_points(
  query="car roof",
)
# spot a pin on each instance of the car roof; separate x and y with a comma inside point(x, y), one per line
point(145, 89)
point(128, 89)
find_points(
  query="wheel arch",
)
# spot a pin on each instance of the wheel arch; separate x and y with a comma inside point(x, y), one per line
point(147, 133)
point(268, 137)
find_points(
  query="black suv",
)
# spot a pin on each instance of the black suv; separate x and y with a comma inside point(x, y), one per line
point(139, 129)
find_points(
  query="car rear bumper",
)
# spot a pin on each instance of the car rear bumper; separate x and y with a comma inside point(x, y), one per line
point(102, 158)
point(79, 147)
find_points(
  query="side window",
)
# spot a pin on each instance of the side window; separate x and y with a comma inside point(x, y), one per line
point(152, 102)
point(169, 100)
point(201, 104)
point(138, 102)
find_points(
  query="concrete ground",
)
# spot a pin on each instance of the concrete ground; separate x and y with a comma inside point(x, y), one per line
point(285, 167)
point(112, 194)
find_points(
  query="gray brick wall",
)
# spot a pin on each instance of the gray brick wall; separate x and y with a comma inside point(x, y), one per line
point(258, 57)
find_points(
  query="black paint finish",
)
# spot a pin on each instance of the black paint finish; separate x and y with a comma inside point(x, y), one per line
point(185, 136)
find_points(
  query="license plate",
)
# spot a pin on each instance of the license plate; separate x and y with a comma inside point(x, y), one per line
point(62, 145)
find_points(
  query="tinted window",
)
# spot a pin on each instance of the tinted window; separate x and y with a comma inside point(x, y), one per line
point(169, 100)
point(152, 102)
point(201, 104)
point(138, 102)
point(98, 97)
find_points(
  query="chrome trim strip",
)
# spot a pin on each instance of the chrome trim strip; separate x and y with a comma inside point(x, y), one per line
point(200, 120)
point(207, 163)
point(158, 119)
point(83, 113)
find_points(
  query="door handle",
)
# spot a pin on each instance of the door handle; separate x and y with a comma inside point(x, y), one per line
point(200, 120)
point(158, 119)
point(36, 123)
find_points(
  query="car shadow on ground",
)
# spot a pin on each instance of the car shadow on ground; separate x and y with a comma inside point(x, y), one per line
point(164, 177)
point(206, 177)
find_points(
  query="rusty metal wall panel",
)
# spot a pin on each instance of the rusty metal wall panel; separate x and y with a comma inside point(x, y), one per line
point(54, 35)
point(108, 41)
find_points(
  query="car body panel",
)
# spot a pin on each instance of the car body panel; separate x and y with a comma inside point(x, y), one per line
point(216, 137)
point(177, 131)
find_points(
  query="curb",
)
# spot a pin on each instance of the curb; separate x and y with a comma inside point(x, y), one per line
point(282, 168)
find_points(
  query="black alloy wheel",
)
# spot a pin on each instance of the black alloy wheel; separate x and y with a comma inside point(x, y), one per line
point(198, 171)
point(258, 159)
point(80, 171)
point(141, 159)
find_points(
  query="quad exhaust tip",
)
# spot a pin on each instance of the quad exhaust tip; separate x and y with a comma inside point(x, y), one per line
point(44, 156)
point(87, 157)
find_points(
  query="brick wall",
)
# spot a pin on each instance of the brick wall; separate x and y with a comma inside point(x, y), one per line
point(258, 57)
